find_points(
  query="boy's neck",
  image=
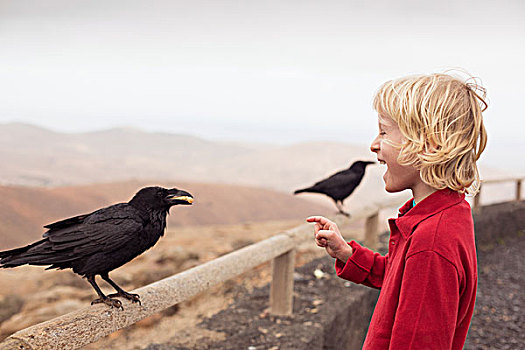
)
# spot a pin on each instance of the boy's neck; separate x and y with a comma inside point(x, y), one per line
point(422, 191)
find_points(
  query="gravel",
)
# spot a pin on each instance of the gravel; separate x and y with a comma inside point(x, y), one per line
point(499, 321)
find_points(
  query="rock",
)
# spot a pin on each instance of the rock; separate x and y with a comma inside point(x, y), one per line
point(175, 255)
point(34, 315)
point(9, 305)
point(241, 243)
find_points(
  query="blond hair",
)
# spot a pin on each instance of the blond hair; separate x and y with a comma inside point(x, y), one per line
point(440, 117)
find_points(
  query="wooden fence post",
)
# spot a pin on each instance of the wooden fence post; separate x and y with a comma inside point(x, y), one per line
point(371, 230)
point(477, 198)
point(281, 291)
point(518, 189)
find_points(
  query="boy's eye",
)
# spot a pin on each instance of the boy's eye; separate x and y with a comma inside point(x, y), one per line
point(382, 133)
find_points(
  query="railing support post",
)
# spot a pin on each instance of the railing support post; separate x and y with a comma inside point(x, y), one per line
point(281, 291)
point(371, 230)
point(518, 189)
point(477, 198)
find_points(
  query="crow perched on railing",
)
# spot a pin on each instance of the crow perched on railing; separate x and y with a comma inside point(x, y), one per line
point(99, 242)
point(340, 185)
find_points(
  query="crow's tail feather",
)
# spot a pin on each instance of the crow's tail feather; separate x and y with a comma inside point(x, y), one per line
point(18, 256)
point(308, 189)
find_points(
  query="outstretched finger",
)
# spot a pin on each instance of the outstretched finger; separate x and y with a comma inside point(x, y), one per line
point(320, 219)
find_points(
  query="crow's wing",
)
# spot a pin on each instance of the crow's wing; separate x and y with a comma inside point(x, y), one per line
point(67, 222)
point(105, 229)
point(339, 182)
point(335, 177)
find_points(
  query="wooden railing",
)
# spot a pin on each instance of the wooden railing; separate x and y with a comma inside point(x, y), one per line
point(87, 325)
point(517, 180)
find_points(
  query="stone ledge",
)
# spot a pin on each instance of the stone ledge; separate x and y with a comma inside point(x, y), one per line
point(328, 312)
point(496, 221)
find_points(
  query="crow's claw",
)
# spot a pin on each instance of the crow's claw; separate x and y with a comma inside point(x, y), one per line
point(109, 301)
point(134, 298)
point(344, 213)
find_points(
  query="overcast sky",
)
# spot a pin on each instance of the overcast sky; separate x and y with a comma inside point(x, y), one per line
point(266, 71)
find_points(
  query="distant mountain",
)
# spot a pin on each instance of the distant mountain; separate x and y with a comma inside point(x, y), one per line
point(24, 210)
point(38, 157)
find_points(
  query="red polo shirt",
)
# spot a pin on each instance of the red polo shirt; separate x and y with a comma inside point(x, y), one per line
point(428, 278)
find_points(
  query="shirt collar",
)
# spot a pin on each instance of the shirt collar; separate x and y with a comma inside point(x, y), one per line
point(409, 217)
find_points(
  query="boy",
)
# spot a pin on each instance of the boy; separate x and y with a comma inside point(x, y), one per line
point(431, 134)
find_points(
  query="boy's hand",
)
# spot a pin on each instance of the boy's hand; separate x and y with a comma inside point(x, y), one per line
point(327, 236)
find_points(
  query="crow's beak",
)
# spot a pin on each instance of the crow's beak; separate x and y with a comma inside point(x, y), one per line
point(187, 199)
point(180, 197)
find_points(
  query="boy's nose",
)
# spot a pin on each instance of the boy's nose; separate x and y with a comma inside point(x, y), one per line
point(376, 145)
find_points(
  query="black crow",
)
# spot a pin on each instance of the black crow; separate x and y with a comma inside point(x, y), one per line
point(340, 185)
point(99, 242)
